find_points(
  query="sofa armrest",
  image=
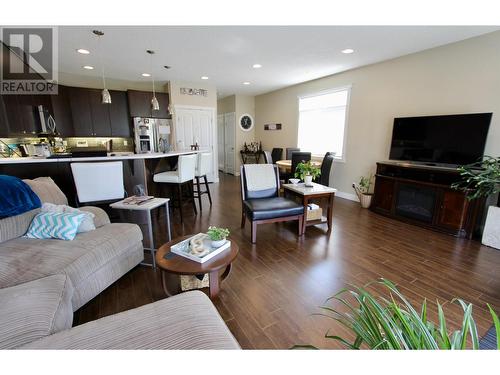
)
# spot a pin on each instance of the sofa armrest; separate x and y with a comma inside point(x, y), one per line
point(101, 217)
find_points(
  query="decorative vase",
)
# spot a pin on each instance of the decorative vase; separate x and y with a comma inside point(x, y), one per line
point(218, 243)
point(491, 232)
point(308, 180)
point(365, 200)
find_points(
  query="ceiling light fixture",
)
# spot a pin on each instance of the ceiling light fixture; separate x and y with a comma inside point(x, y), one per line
point(88, 67)
point(256, 66)
point(83, 51)
point(146, 75)
point(347, 51)
point(106, 96)
point(246, 83)
point(155, 106)
point(204, 77)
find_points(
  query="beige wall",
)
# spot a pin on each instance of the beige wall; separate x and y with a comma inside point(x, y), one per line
point(245, 104)
point(199, 101)
point(458, 78)
point(226, 105)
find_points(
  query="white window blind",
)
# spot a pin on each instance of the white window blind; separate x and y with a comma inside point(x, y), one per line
point(322, 122)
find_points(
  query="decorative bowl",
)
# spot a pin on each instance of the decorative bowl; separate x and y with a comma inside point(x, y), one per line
point(295, 181)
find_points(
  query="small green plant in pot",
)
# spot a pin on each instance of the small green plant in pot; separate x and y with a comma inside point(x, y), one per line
point(307, 172)
point(480, 180)
point(362, 189)
point(218, 235)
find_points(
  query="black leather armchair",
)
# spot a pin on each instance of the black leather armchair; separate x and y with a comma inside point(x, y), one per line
point(265, 206)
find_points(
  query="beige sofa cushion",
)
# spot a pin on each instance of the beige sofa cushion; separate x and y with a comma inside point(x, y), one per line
point(186, 321)
point(16, 226)
point(47, 190)
point(34, 310)
point(26, 259)
point(100, 216)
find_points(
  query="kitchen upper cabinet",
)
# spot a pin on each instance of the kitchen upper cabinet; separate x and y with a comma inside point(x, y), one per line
point(4, 124)
point(100, 114)
point(80, 112)
point(140, 104)
point(62, 112)
point(14, 121)
point(118, 115)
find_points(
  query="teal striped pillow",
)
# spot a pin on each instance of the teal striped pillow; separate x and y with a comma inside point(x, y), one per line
point(63, 226)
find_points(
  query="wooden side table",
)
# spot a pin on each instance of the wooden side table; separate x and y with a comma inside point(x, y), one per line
point(175, 264)
point(307, 194)
point(148, 206)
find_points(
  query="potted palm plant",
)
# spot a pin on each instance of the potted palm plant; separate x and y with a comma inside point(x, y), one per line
point(362, 190)
point(394, 323)
point(482, 179)
point(307, 172)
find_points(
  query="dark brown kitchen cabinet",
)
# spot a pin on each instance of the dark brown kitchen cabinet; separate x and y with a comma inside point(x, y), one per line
point(4, 125)
point(140, 104)
point(62, 112)
point(118, 115)
point(100, 114)
point(14, 120)
point(80, 112)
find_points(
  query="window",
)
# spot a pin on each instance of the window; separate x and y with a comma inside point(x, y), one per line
point(322, 122)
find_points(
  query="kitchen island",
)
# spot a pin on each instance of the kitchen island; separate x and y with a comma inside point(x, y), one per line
point(138, 169)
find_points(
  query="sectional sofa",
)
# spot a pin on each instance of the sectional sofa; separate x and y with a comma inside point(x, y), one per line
point(42, 282)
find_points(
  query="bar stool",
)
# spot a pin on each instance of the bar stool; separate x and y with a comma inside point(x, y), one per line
point(184, 175)
point(203, 166)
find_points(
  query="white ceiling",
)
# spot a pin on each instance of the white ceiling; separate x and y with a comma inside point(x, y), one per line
point(288, 54)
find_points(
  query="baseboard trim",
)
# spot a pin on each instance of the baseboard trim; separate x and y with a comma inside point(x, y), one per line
point(349, 196)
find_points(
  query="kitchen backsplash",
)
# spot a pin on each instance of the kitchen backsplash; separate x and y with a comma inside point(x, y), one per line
point(119, 144)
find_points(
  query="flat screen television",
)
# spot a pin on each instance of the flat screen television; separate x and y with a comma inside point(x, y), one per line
point(440, 140)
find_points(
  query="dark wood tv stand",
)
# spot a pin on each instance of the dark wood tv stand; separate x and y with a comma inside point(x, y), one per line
point(422, 195)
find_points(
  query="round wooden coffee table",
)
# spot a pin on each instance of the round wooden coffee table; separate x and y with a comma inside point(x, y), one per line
point(172, 263)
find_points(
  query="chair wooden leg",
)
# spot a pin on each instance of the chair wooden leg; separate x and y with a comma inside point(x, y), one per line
point(208, 189)
point(254, 232)
point(179, 192)
point(199, 192)
point(301, 219)
point(243, 219)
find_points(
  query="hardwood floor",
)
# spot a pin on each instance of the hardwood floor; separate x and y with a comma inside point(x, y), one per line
point(277, 284)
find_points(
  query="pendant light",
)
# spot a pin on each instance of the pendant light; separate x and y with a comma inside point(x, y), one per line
point(106, 96)
point(155, 106)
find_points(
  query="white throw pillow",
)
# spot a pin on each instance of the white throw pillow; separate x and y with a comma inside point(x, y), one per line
point(87, 223)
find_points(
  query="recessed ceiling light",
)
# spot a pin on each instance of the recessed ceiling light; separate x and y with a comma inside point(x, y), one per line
point(83, 51)
point(88, 67)
point(246, 83)
point(146, 75)
point(347, 50)
point(204, 77)
point(256, 66)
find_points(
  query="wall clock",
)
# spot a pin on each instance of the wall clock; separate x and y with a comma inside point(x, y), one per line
point(246, 122)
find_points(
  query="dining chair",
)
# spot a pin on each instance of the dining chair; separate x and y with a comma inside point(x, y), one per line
point(289, 152)
point(100, 182)
point(183, 176)
point(276, 154)
point(268, 159)
point(203, 167)
point(298, 157)
point(326, 167)
point(261, 204)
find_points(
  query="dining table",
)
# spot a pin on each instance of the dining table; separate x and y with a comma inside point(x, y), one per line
point(286, 165)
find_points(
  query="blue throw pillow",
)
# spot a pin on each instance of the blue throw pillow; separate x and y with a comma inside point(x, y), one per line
point(63, 226)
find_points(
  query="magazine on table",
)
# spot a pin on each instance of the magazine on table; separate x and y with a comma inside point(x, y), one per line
point(199, 248)
point(137, 200)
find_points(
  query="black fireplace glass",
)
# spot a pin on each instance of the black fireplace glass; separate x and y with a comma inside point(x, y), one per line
point(416, 202)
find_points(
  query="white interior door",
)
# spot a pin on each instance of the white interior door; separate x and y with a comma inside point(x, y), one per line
point(220, 142)
point(229, 142)
point(192, 126)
